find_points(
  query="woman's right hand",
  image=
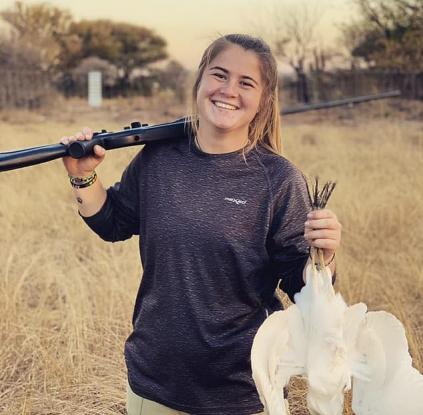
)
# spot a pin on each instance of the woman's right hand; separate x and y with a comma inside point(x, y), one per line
point(86, 165)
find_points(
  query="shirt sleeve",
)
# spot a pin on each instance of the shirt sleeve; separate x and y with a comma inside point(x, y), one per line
point(287, 247)
point(119, 217)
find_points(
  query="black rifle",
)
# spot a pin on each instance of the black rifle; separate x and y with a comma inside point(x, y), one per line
point(138, 134)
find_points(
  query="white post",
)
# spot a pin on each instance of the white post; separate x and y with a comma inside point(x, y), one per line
point(94, 89)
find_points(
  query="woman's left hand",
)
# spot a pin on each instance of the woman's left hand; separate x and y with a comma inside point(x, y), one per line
point(323, 230)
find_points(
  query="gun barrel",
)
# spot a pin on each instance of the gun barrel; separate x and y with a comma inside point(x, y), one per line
point(134, 136)
point(27, 157)
point(30, 156)
point(340, 102)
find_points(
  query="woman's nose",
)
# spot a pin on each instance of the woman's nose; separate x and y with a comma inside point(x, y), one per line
point(229, 88)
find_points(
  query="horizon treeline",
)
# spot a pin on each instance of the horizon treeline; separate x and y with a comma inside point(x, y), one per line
point(45, 47)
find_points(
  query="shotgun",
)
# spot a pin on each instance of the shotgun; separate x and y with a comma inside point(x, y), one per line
point(139, 133)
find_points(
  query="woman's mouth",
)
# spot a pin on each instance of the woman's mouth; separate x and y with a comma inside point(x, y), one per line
point(225, 105)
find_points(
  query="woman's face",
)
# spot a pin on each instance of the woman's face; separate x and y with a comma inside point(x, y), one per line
point(229, 92)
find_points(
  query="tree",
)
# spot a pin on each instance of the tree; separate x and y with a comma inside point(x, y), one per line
point(39, 27)
point(15, 54)
point(293, 34)
point(124, 45)
point(174, 78)
point(389, 34)
point(59, 45)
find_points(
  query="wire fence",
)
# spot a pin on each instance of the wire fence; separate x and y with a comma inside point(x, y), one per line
point(325, 86)
point(24, 89)
point(31, 89)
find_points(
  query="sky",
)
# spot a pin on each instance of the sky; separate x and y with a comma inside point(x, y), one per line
point(190, 25)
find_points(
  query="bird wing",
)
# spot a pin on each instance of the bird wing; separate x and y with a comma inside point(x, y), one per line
point(353, 319)
point(274, 328)
point(288, 360)
point(394, 386)
point(277, 354)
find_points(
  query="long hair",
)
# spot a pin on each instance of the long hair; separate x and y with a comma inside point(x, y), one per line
point(265, 128)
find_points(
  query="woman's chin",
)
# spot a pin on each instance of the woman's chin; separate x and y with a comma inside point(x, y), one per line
point(224, 126)
point(223, 123)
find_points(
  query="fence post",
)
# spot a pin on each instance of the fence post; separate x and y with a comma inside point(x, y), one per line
point(94, 88)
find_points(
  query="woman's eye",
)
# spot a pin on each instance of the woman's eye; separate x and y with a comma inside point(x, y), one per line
point(219, 75)
point(243, 83)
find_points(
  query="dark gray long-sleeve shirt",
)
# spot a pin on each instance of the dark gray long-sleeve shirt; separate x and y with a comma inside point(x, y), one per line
point(216, 235)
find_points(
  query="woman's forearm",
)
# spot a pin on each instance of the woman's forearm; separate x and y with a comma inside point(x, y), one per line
point(90, 199)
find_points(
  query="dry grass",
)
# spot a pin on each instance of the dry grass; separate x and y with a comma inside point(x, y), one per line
point(66, 298)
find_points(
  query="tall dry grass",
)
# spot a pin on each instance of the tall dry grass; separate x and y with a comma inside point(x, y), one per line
point(66, 297)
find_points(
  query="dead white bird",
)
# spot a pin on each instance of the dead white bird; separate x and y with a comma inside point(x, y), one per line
point(305, 339)
point(321, 338)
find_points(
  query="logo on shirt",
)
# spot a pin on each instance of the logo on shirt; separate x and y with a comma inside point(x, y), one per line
point(237, 201)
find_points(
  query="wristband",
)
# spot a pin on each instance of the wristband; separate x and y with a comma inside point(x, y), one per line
point(330, 261)
point(81, 182)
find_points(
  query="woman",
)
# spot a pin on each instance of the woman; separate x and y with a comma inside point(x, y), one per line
point(222, 217)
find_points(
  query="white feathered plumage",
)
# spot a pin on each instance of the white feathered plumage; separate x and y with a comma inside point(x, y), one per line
point(334, 345)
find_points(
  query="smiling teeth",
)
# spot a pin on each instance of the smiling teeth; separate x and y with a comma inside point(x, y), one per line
point(225, 106)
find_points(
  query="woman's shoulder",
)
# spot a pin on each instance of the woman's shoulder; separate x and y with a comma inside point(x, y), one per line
point(278, 168)
point(153, 148)
point(287, 182)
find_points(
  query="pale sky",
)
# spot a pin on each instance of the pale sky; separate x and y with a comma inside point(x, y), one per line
point(190, 25)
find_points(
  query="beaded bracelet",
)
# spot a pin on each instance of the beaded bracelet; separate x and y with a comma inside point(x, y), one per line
point(81, 182)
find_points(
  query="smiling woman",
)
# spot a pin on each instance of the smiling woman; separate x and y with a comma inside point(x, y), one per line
point(221, 219)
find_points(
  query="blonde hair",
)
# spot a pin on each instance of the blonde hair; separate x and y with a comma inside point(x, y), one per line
point(265, 128)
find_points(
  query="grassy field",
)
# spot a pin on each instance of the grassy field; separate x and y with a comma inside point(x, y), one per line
point(66, 297)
